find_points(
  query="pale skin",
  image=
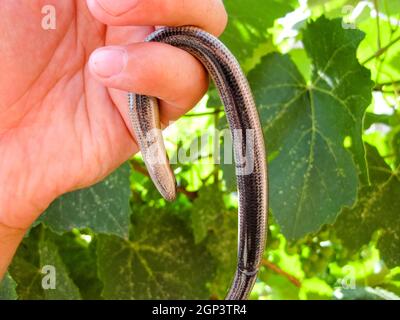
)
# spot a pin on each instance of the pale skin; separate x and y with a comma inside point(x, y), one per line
point(63, 110)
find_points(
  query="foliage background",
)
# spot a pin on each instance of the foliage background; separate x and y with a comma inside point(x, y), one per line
point(326, 77)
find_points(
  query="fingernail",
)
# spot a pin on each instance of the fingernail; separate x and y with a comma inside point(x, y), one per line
point(118, 7)
point(108, 62)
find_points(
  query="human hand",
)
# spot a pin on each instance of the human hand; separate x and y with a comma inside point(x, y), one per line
point(63, 109)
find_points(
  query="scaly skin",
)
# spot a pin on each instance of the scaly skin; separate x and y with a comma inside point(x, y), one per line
point(248, 143)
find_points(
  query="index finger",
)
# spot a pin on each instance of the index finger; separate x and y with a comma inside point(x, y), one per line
point(209, 15)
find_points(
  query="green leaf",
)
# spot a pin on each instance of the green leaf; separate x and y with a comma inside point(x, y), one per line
point(36, 259)
point(104, 208)
point(396, 145)
point(312, 174)
point(160, 261)
point(222, 244)
point(247, 28)
point(378, 207)
point(372, 118)
point(78, 252)
point(279, 288)
point(65, 287)
point(315, 289)
point(207, 208)
point(389, 7)
point(217, 226)
point(7, 288)
point(302, 61)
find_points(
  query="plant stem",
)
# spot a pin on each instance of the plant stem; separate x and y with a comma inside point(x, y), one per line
point(278, 270)
point(381, 50)
point(379, 86)
point(203, 114)
point(378, 28)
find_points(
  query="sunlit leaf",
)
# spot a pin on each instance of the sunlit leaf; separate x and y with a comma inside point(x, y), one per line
point(312, 174)
point(315, 289)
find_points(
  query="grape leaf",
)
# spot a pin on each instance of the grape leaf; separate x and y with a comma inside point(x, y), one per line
point(65, 287)
point(104, 208)
point(79, 256)
point(7, 288)
point(213, 223)
point(222, 244)
point(247, 28)
point(312, 174)
point(378, 207)
point(160, 261)
point(206, 209)
point(28, 269)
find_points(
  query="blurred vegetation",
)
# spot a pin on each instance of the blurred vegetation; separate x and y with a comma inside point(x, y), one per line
point(326, 77)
